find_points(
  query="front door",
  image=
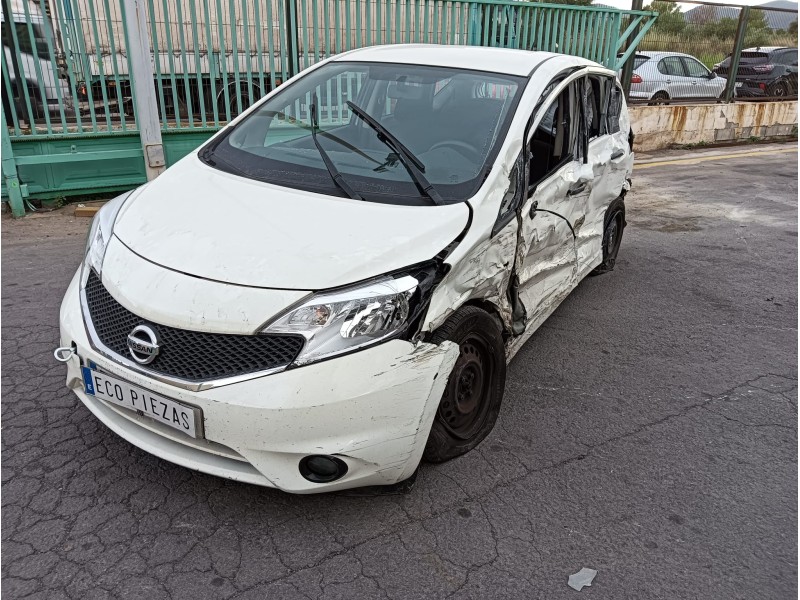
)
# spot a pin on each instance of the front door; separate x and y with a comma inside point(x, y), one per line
point(558, 191)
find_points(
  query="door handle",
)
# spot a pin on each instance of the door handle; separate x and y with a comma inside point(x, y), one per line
point(669, 81)
point(617, 154)
point(576, 189)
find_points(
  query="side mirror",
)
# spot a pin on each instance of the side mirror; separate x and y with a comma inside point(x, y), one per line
point(712, 75)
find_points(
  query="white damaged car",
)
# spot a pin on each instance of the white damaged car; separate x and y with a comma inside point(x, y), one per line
point(330, 289)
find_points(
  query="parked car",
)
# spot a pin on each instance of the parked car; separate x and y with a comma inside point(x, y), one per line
point(764, 72)
point(29, 33)
point(316, 303)
point(663, 76)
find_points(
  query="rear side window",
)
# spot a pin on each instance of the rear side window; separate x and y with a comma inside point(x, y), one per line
point(671, 65)
point(694, 68)
point(788, 58)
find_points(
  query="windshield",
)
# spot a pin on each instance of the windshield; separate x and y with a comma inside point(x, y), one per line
point(37, 45)
point(451, 120)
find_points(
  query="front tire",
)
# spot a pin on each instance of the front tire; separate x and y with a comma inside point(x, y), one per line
point(471, 401)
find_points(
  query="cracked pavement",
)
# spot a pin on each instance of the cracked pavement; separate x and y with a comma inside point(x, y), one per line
point(649, 431)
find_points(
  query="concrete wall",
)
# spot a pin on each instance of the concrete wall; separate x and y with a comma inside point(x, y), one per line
point(659, 127)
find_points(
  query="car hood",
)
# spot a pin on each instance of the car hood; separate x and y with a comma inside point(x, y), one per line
point(210, 224)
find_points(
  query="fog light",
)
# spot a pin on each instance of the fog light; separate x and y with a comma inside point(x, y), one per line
point(322, 469)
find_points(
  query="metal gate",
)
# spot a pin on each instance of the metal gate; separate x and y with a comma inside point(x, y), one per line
point(74, 122)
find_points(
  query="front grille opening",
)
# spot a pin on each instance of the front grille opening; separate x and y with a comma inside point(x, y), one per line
point(191, 355)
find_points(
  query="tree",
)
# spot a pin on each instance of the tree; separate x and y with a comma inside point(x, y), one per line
point(758, 32)
point(724, 29)
point(670, 19)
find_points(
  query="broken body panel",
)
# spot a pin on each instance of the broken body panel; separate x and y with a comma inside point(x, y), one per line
point(537, 248)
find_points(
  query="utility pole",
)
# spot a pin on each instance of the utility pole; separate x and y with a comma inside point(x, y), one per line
point(627, 70)
point(144, 92)
point(733, 68)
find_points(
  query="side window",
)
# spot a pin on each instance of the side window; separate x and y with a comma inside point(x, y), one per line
point(550, 145)
point(671, 65)
point(694, 68)
point(789, 58)
point(614, 106)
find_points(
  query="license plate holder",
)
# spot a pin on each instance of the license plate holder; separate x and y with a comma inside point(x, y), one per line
point(177, 415)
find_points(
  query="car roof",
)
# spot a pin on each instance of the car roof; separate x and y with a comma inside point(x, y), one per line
point(652, 55)
point(495, 60)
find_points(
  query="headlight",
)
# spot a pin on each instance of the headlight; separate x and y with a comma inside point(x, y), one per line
point(100, 232)
point(342, 321)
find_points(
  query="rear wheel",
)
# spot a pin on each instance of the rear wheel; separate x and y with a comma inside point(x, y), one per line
point(659, 98)
point(471, 400)
point(779, 90)
point(612, 236)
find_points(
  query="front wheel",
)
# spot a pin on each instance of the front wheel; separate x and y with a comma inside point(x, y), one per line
point(471, 401)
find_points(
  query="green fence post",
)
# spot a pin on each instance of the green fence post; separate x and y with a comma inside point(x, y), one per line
point(10, 173)
point(733, 68)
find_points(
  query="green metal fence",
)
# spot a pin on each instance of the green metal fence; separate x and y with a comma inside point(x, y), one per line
point(76, 122)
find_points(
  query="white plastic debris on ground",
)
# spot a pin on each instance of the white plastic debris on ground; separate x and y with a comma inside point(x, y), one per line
point(577, 581)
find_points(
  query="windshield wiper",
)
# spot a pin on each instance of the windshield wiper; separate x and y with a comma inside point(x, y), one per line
point(412, 164)
point(335, 174)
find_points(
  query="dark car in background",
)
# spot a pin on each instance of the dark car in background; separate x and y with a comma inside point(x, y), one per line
point(764, 72)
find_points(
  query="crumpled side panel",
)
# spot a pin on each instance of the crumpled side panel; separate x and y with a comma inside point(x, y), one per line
point(610, 180)
point(484, 273)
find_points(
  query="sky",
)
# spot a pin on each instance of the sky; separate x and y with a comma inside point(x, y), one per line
point(684, 6)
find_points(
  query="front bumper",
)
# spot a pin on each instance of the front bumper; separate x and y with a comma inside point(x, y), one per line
point(373, 409)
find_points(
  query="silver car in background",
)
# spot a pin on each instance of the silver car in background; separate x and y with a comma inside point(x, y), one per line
point(663, 76)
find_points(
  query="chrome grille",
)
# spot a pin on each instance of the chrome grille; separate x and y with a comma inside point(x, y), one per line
point(185, 354)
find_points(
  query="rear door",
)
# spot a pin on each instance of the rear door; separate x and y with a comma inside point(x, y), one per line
point(676, 82)
point(610, 158)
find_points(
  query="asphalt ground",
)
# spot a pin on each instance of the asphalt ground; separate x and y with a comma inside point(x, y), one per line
point(649, 431)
